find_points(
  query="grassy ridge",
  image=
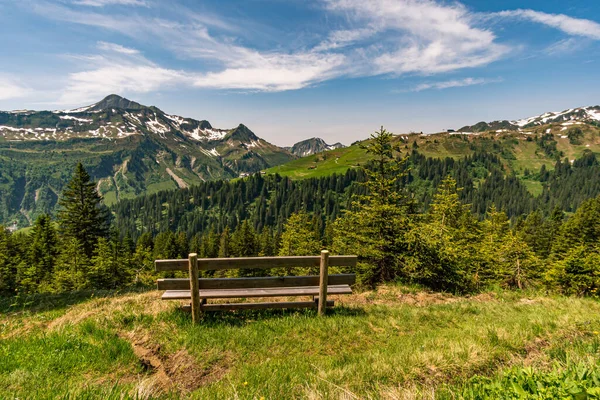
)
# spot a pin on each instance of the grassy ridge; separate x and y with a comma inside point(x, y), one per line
point(323, 164)
point(518, 151)
point(395, 342)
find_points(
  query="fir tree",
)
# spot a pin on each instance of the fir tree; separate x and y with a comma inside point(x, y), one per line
point(42, 256)
point(377, 222)
point(444, 250)
point(298, 237)
point(267, 243)
point(225, 244)
point(8, 270)
point(519, 264)
point(71, 267)
point(82, 215)
point(244, 242)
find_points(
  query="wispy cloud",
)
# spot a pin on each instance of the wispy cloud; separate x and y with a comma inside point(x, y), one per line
point(105, 46)
point(454, 83)
point(422, 36)
point(569, 25)
point(564, 46)
point(102, 3)
point(11, 88)
point(116, 72)
point(275, 72)
point(377, 37)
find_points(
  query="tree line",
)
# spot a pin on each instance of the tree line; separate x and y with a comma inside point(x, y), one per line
point(408, 217)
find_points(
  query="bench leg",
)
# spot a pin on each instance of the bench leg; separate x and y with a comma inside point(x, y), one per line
point(324, 276)
point(194, 289)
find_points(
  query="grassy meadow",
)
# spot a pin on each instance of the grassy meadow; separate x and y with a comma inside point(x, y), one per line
point(518, 154)
point(393, 343)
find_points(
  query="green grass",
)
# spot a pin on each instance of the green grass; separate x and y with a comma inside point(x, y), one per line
point(110, 198)
point(27, 230)
point(157, 187)
point(518, 152)
point(322, 164)
point(534, 187)
point(396, 342)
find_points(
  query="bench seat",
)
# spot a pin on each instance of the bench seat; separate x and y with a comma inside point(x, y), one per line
point(256, 292)
point(258, 306)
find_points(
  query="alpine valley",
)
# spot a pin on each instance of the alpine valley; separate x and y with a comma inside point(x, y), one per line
point(127, 148)
point(131, 149)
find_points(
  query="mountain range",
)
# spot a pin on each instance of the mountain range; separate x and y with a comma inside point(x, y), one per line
point(132, 149)
point(127, 147)
point(312, 146)
point(568, 117)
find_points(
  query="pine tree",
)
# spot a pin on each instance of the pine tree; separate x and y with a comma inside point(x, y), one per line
point(102, 273)
point(298, 237)
point(43, 252)
point(267, 243)
point(82, 215)
point(519, 264)
point(376, 224)
point(579, 272)
point(165, 246)
point(8, 270)
point(71, 268)
point(445, 250)
point(143, 264)
point(225, 244)
point(244, 242)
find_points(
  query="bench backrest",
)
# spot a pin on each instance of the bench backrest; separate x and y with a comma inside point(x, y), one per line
point(214, 264)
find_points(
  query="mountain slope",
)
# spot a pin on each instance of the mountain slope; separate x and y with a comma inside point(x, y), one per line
point(127, 147)
point(590, 114)
point(524, 146)
point(312, 146)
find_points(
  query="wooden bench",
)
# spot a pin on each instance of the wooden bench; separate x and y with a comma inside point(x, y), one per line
point(199, 290)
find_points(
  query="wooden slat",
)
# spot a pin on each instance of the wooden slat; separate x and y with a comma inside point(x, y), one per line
point(208, 264)
point(262, 282)
point(259, 306)
point(260, 292)
point(171, 265)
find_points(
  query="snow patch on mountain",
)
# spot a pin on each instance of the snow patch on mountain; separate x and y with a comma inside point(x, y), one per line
point(572, 114)
point(75, 110)
point(70, 117)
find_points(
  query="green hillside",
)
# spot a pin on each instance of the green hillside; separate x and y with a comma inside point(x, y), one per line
point(323, 164)
point(522, 153)
point(392, 343)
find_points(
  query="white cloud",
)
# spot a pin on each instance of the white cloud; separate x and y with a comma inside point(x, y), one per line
point(102, 3)
point(274, 72)
point(572, 26)
point(385, 37)
point(422, 36)
point(453, 83)
point(376, 37)
point(11, 88)
point(116, 74)
point(113, 47)
point(343, 38)
point(564, 46)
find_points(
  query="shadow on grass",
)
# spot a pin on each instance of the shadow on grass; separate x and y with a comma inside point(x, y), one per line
point(36, 303)
point(241, 318)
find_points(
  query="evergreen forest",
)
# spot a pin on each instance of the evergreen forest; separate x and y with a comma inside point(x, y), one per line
point(453, 225)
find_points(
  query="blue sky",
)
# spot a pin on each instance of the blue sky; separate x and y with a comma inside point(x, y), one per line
point(293, 69)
